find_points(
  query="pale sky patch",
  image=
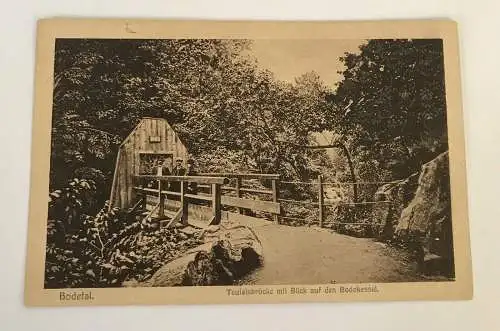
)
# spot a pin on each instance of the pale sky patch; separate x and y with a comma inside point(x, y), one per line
point(290, 58)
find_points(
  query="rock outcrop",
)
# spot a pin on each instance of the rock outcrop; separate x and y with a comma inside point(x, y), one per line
point(420, 216)
point(400, 195)
point(228, 255)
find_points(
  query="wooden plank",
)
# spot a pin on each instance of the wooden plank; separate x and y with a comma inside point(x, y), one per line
point(246, 220)
point(154, 133)
point(129, 172)
point(216, 203)
point(251, 190)
point(122, 180)
point(154, 192)
point(151, 212)
point(115, 201)
point(149, 124)
point(161, 210)
point(267, 206)
point(238, 192)
point(145, 132)
point(140, 202)
point(175, 142)
point(246, 189)
point(276, 197)
point(141, 136)
point(199, 197)
point(175, 219)
point(147, 190)
point(167, 193)
point(151, 132)
point(163, 136)
point(184, 204)
point(135, 157)
point(134, 131)
point(212, 221)
point(136, 147)
point(144, 198)
point(241, 175)
point(195, 179)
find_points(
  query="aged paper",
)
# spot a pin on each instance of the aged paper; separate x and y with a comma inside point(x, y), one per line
point(205, 162)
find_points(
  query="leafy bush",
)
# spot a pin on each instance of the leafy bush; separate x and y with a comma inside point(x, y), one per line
point(106, 249)
point(301, 214)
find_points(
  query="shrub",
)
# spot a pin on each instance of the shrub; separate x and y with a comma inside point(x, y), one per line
point(106, 249)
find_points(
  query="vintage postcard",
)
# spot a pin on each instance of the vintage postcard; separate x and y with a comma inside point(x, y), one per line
point(206, 162)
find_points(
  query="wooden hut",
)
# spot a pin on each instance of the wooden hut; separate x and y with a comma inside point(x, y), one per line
point(151, 145)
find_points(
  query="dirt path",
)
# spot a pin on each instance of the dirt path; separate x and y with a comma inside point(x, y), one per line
point(303, 255)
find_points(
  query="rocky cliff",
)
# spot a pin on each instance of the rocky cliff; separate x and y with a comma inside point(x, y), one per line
point(420, 216)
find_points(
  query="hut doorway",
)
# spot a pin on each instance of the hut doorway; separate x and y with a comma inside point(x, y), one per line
point(159, 164)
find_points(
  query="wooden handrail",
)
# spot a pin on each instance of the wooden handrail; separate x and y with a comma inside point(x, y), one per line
point(193, 179)
point(246, 189)
point(215, 182)
point(266, 206)
point(242, 175)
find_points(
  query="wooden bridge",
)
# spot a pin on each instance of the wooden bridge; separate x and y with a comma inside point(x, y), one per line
point(156, 201)
point(227, 195)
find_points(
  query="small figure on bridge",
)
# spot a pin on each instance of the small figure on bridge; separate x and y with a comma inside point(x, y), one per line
point(164, 168)
point(191, 171)
point(178, 170)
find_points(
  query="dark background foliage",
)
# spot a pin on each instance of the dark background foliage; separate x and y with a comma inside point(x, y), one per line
point(388, 111)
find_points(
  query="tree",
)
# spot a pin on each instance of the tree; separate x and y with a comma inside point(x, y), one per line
point(391, 107)
point(103, 87)
point(214, 95)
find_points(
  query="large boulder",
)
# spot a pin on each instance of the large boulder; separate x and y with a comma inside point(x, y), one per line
point(425, 222)
point(227, 255)
point(418, 216)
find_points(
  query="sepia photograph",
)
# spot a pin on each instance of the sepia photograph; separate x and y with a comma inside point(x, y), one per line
point(248, 164)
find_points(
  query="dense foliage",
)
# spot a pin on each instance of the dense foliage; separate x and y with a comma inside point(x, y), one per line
point(215, 96)
point(390, 108)
point(388, 112)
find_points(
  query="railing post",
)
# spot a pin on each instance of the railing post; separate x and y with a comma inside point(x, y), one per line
point(276, 197)
point(144, 197)
point(161, 209)
point(216, 203)
point(238, 192)
point(321, 200)
point(184, 203)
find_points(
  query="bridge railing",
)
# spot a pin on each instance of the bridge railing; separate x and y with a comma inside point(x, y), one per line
point(273, 206)
point(322, 209)
point(183, 194)
point(216, 184)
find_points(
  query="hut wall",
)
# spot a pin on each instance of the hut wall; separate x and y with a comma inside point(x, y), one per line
point(151, 136)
